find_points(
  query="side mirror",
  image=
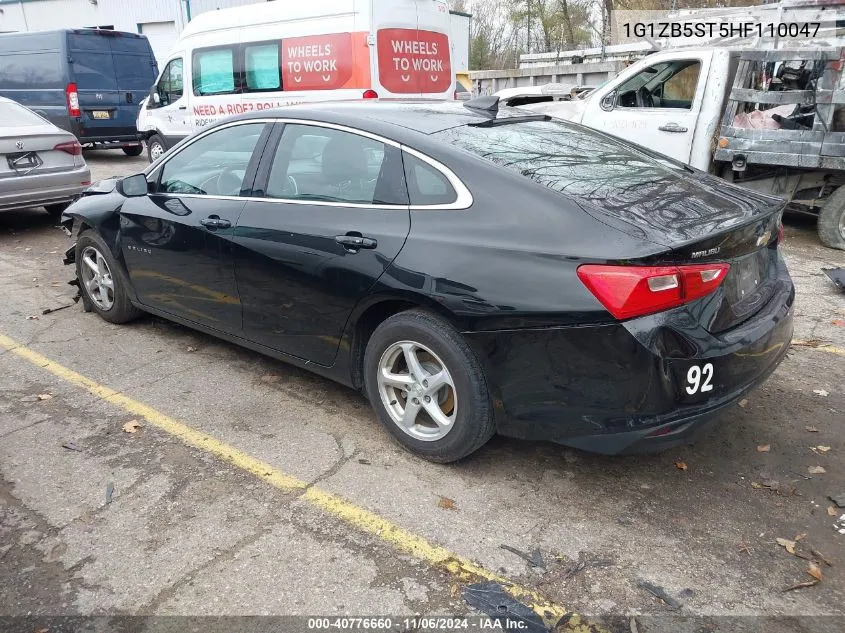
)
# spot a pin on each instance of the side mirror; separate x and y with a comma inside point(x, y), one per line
point(156, 98)
point(608, 101)
point(133, 186)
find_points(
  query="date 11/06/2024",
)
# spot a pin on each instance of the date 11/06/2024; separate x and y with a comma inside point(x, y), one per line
point(423, 623)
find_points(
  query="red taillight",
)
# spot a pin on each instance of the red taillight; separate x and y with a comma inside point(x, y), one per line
point(631, 291)
point(370, 94)
point(72, 100)
point(70, 147)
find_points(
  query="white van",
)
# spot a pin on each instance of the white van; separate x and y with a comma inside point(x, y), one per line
point(267, 55)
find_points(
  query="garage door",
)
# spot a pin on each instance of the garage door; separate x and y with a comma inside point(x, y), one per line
point(162, 35)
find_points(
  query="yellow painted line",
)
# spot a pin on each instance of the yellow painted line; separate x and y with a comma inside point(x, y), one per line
point(816, 345)
point(460, 568)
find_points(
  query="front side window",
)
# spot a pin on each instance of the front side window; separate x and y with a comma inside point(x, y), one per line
point(261, 63)
point(214, 165)
point(328, 165)
point(214, 71)
point(170, 84)
point(669, 84)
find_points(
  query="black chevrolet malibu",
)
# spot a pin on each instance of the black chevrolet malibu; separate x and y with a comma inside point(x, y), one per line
point(472, 269)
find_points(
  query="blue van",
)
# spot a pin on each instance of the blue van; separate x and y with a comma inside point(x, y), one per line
point(89, 82)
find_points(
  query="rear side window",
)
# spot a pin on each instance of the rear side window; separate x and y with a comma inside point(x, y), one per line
point(214, 71)
point(261, 62)
point(322, 164)
point(15, 115)
point(426, 185)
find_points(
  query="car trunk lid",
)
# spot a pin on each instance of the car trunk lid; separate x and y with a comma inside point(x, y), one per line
point(30, 150)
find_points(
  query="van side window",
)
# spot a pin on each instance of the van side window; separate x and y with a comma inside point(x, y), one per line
point(670, 84)
point(170, 85)
point(214, 71)
point(261, 62)
point(426, 185)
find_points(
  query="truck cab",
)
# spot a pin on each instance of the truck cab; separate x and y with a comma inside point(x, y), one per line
point(671, 101)
point(720, 110)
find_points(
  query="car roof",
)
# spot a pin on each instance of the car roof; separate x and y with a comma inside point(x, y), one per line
point(397, 120)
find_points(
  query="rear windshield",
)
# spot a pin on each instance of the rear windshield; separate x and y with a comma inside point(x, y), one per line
point(569, 159)
point(14, 115)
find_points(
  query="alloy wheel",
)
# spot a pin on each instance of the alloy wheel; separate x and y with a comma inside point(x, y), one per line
point(97, 277)
point(417, 390)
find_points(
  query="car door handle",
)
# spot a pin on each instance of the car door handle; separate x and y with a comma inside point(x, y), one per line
point(214, 222)
point(353, 241)
point(183, 107)
point(672, 127)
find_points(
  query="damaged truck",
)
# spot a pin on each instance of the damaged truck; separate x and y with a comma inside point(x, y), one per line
point(769, 120)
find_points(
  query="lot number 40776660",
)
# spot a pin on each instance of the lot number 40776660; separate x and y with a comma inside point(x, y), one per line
point(700, 379)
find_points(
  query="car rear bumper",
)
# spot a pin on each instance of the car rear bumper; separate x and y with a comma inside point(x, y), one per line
point(623, 387)
point(37, 190)
point(105, 134)
point(129, 139)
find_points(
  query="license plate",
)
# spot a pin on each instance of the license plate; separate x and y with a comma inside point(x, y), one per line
point(28, 160)
point(100, 114)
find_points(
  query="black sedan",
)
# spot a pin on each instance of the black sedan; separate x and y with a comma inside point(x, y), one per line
point(472, 269)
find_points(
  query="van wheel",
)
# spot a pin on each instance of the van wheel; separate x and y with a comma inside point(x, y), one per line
point(155, 147)
point(831, 226)
point(133, 150)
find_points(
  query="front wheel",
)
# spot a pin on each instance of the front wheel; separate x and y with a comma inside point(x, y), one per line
point(101, 281)
point(831, 226)
point(155, 147)
point(428, 387)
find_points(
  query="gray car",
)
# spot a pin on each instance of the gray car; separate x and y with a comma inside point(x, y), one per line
point(40, 164)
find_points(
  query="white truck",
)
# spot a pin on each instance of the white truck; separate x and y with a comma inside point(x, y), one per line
point(767, 120)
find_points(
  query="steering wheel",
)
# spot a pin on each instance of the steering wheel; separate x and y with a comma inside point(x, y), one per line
point(644, 99)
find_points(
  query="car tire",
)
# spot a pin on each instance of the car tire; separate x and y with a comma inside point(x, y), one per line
point(155, 147)
point(133, 150)
point(112, 304)
point(463, 399)
point(56, 210)
point(831, 225)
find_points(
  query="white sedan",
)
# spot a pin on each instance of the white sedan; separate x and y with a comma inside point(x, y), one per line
point(40, 164)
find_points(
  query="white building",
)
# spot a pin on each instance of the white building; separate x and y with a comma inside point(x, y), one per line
point(160, 20)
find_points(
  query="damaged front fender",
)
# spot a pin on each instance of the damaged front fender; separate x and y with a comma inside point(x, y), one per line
point(99, 208)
